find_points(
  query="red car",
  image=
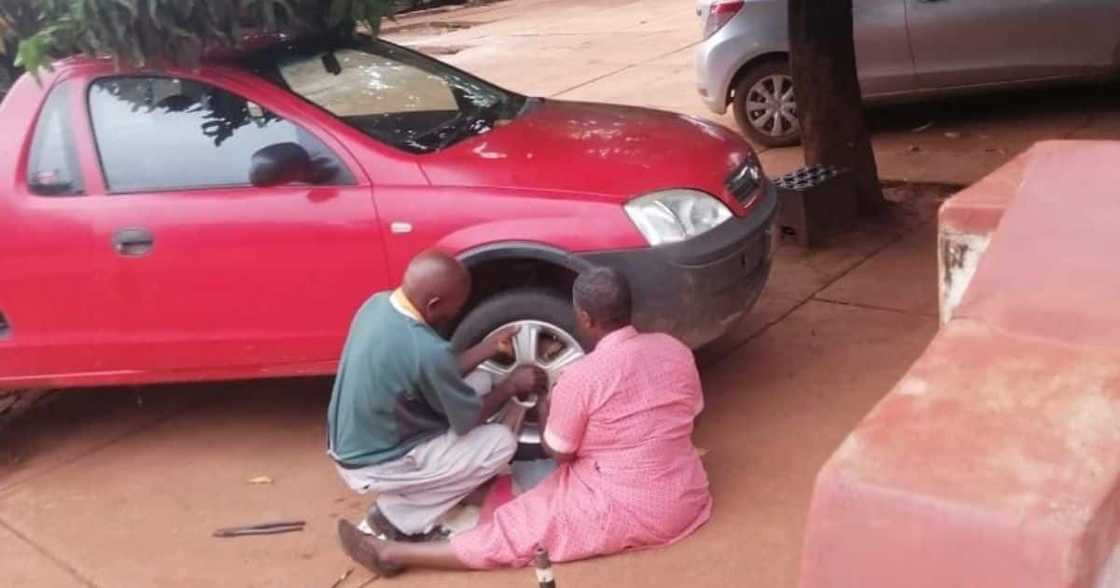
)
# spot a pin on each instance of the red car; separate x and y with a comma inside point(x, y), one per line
point(226, 222)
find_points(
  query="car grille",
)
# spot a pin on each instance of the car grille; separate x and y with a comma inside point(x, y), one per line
point(744, 181)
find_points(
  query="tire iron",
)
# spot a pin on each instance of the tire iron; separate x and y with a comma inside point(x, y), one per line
point(272, 528)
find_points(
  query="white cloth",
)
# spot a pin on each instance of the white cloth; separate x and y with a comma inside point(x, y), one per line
point(413, 492)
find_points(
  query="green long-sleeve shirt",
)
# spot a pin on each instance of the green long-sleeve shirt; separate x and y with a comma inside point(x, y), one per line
point(398, 385)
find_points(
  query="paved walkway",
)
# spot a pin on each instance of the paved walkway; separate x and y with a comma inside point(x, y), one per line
point(121, 488)
point(640, 52)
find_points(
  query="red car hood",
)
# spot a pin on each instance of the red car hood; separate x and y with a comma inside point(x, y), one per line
point(599, 150)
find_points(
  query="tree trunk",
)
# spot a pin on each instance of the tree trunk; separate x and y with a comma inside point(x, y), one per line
point(829, 101)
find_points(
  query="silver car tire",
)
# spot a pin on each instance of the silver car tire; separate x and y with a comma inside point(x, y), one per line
point(764, 105)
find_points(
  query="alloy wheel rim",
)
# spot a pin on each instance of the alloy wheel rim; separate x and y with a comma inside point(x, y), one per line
point(538, 343)
point(771, 108)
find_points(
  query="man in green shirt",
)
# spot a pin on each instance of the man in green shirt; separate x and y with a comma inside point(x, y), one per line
point(407, 418)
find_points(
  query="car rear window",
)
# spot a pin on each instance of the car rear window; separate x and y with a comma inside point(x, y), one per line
point(52, 165)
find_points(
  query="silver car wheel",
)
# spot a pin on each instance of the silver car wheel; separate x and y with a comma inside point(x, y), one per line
point(771, 108)
point(537, 343)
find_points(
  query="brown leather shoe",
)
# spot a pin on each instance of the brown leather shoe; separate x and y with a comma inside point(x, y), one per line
point(363, 549)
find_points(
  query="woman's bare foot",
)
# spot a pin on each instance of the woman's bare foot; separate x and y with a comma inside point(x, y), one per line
point(365, 550)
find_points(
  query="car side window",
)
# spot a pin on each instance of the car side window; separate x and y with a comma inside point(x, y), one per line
point(52, 165)
point(162, 133)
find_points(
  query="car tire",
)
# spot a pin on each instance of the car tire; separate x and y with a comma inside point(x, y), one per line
point(514, 305)
point(753, 88)
point(526, 304)
point(15, 403)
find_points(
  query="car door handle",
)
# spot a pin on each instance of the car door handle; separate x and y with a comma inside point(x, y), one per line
point(133, 242)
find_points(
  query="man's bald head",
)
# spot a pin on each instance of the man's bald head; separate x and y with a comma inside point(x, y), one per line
point(438, 285)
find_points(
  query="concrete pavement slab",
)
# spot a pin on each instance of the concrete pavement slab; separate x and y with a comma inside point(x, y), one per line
point(548, 74)
point(899, 278)
point(552, 65)
point(771, 308)
point(568, 43)
point(79, 422)
point(618, 48)
point(650, 85)
point(904, 246)
point(800, 273)
point(24, 566)
point(797, 276)
point(140, 512)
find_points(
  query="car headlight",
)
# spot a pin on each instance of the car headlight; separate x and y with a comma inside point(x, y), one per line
point(673, 216)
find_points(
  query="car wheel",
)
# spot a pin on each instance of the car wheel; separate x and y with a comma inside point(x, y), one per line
point(14, 403)
point(764, 105)
point(546, 339)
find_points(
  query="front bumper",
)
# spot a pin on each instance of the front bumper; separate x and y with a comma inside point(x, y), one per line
point(697, 290)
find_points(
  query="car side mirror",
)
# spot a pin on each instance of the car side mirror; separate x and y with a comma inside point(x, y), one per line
point(282, 163)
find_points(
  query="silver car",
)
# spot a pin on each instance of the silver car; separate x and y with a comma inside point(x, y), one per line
point(906, 49)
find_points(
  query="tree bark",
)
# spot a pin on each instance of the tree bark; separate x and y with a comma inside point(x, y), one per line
point(829, 101)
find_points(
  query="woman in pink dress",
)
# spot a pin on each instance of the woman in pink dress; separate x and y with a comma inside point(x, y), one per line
point(619, 423)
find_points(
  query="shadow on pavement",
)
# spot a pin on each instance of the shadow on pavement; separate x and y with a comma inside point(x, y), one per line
point(995, 107)
point(76, 423)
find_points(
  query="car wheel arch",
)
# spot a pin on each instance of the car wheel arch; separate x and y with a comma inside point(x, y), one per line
point(500, 267)
point(508, 250)
point(748, 65)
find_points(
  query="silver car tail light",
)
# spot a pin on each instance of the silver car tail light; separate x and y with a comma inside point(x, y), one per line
point(719, 14)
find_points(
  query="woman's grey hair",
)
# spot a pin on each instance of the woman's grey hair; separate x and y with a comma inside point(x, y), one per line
point(604, 294)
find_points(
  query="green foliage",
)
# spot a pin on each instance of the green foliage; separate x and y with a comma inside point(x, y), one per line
point(139, 32)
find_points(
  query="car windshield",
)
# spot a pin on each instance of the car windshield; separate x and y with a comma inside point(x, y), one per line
point(392, 94)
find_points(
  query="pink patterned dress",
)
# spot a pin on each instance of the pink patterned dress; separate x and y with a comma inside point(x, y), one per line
point(626, 411)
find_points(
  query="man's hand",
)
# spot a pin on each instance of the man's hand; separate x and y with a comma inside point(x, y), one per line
point(497, 343)
point(529, 379)
point(525, 381)
point(501, 342)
